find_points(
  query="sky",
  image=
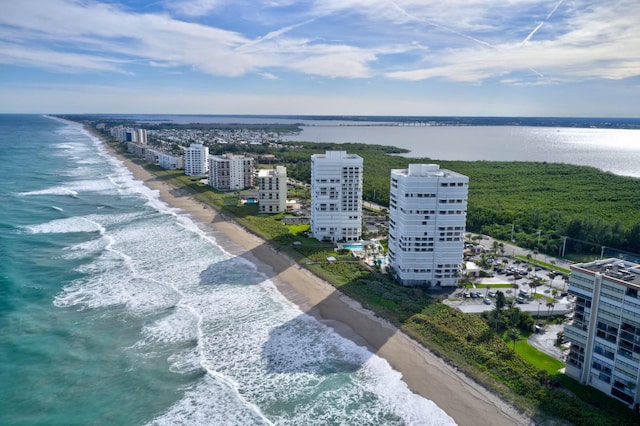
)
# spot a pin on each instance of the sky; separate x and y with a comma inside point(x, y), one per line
point(326, 57)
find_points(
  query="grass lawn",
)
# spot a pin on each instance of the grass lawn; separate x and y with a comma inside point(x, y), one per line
point(536, 357)
point(545, 265)
point(494, 285)
point(542, 296)
point(298, 229)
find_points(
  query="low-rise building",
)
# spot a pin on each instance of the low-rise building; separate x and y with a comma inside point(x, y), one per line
point(170, 161)
point(136, 149)
point(151, 155)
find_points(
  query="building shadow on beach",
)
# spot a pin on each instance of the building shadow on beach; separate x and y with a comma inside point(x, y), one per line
point(313, 330)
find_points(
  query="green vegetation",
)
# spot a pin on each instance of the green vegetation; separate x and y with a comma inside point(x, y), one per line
point(538, 359)
point(501, 285)
point(472, 345)
point(590, 206)
point(545, 265)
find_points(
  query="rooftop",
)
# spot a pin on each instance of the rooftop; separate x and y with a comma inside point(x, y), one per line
point(336, 156)
point(628, 273)
point(427, 170)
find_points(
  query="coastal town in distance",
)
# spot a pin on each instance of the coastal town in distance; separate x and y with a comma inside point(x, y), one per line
point(584, 315)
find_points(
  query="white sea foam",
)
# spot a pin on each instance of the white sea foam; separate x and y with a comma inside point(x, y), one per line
point(210, 402)
point(55, 190)
point(179, 327)
point(74, 188)
point(62, 226)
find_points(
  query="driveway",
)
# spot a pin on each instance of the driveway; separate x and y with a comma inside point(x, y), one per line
point(546, 341)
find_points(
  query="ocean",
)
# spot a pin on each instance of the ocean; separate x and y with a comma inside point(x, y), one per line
point(117, 309)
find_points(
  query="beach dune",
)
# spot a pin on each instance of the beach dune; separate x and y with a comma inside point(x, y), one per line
point(426, 374)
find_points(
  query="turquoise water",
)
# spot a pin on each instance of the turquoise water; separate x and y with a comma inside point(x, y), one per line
point(353, 246)
point(117, 309)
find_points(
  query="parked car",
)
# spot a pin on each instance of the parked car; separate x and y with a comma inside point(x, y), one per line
point(487, 301)
point(519, 299)
point(491, 294)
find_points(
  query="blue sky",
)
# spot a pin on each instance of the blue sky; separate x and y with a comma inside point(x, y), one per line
point(358, 57)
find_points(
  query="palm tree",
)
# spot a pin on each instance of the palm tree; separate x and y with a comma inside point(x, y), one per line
point(550, 306)
point(501, 301)
point(483, 262)
point(513, 334)
point(565, 279)
point(495, 246)
point(534, 284)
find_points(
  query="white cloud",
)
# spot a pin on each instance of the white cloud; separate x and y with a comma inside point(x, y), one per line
point(192, 8)
point(458, 40)
point(57, 61)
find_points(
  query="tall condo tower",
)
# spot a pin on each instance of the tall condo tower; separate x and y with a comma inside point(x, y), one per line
point(272, 189)
point(427, 216)
point(336, 196)
point(196, 160)
point(230, 172)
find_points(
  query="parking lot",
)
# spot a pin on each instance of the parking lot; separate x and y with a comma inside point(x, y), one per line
point(479, 299)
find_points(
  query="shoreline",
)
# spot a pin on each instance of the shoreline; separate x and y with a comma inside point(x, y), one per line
point(425, 374)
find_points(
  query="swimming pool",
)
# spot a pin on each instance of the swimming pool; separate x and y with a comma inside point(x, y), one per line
point(354, 246)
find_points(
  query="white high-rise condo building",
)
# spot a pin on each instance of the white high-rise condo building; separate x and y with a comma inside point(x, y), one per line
point(604, 331)
point(196, 160)
point(230, 172)
point(427, 219)
point(272, 190)
point(336, 196)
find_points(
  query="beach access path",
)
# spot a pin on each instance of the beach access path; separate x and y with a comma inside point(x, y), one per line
point(468, 403)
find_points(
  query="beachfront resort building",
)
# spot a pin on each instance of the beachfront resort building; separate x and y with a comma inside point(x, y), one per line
point(336, 196)
point(427, 215)
point(196, 160)
point(272, 190)
point(604, 331)
point(170, 161)
point(230, 172)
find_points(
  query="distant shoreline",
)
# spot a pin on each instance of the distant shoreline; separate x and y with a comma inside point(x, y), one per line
point(562, 122)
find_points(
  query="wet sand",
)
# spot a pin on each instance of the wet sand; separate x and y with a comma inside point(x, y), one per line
point(427, 375)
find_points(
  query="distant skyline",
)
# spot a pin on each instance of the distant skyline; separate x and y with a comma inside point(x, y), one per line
point(322, 57)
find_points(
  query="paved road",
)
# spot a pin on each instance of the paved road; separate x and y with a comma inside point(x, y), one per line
point(513, 250)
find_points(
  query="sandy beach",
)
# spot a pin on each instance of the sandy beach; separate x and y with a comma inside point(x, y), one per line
point(425, 374)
